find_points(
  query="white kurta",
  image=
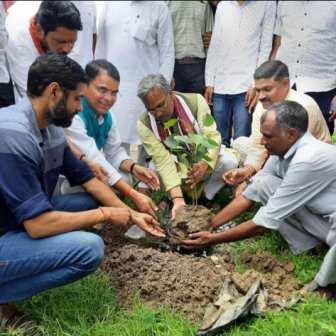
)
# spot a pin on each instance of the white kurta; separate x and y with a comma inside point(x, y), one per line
point(82, 51)
point(21, 51)
point(112, 154)
point(137, 37)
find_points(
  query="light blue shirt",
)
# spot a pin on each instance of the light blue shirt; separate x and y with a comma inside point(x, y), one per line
point(308, 173)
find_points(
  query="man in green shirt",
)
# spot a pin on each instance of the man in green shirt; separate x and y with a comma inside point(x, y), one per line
point(190, 110)
point(192, 26)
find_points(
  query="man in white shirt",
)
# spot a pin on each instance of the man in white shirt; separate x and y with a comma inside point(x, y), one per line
point(241, 40)
point(35, 28)
point(84, 47)
point(6, 87)
point(137, 37)
point(305, 39)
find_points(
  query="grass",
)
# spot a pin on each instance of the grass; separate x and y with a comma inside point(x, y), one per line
point(89, 307)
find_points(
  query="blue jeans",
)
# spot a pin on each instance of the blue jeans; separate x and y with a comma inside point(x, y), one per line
point(229, 111)
point(29, 266)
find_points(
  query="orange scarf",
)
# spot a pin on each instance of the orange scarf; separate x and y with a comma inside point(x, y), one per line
point(35, 38)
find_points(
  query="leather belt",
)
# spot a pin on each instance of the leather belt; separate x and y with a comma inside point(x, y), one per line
point(189, 60)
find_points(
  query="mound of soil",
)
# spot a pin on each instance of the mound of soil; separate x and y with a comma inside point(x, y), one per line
point(190, 219)
point(186, 283)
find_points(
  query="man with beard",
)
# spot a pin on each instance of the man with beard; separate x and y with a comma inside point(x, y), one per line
point(33, 30)
point(41, 246)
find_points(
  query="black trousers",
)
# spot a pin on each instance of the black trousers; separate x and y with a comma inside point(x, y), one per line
point(189, 78)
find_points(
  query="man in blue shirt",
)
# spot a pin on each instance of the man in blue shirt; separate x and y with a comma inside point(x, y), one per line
point(41, 246)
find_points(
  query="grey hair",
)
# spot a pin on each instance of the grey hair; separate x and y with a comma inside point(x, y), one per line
point(274, 69)
point(289, 114)
point(151, 81)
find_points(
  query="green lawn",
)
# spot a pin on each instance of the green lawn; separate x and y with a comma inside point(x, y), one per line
point(89, 307)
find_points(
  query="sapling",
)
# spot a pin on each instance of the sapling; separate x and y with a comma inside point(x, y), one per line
point(190, 148)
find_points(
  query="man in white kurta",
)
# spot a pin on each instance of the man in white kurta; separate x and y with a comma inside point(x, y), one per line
point(21, 51)
point(137, 37)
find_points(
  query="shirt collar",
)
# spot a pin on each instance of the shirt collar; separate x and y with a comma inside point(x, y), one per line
point(304, 139)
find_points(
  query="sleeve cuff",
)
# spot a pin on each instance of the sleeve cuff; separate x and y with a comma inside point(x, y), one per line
point(262, 219)
point(32, 207)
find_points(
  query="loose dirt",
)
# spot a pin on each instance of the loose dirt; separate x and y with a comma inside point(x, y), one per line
point(187, 283)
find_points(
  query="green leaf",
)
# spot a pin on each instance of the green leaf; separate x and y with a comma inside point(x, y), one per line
point(169, 123)
point(208, 120)
point(213, 143)
point(172, 144)
point(182, 139)
point(207, 158)
point(184, 159)
point(196, 138)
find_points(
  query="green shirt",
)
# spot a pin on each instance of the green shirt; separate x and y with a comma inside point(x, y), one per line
point(190, 19)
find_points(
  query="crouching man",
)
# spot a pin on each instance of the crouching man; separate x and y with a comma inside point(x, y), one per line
point(41, 246)
point(297, 188)
point(189, 109)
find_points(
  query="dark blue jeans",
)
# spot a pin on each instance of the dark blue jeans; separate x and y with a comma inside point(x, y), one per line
point(323, 100)
point(29, 266)
point(189, 77)
point(230, 111)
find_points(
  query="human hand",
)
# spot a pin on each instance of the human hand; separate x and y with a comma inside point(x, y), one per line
point(117, 216)
point(143, 203)
point(206, 37)
point(196, 174)
point(178, 203)
point(238, 175)
point(208, 93)
point(332, 111)
point(99, 172)
point(199, 239)
point(251, 99)
point(240, 189)
point(147, 223)
point(147, 176)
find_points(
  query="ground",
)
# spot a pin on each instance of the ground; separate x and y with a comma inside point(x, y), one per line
point(144, 291)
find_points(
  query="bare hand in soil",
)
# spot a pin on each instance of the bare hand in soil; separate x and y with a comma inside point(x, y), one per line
point(118, 216)
point(147, 223)
point(198, 240)
point(147, 176)
point(143, 203)
point(178, 204)
point(197, 172)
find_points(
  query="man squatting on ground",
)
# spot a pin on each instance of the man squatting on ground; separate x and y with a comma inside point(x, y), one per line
point(189, 109)
point(297, 188)
point(41, 245)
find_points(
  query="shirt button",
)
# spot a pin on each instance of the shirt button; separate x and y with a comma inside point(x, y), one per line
point(297, 61)
point(299, 44)
point(302, 29)
point(305, 14)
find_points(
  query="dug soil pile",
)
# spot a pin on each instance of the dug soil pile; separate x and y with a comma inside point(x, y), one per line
point(186, 283)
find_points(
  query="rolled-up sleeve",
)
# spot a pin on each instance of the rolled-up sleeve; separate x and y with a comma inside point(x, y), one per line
point(20, 185)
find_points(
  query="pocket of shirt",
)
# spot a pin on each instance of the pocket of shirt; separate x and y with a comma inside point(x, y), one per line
point(142, 32)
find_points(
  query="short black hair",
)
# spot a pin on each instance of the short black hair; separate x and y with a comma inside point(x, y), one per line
point(94, 68)
point(52, 67)
point(54, 14)
point(274, 69)
point(289, 114)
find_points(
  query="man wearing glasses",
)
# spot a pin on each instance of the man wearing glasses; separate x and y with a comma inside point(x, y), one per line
point(190, 111)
